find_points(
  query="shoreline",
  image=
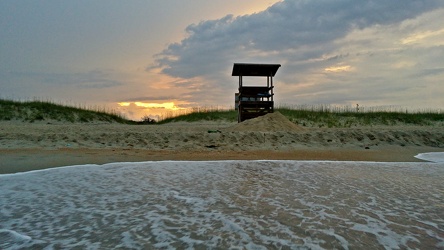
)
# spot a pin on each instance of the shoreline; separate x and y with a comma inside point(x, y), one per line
point(32, 146)
point(23, 160)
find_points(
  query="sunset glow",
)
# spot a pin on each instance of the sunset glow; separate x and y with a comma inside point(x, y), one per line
point(339, 68)
point(155, 110)
point(124, 104)
point(153, 57)
point(165, 105)
point(152, 105)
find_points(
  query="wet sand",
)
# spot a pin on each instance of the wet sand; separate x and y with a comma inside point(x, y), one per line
point(225, 205)
point(29, 146)
point(22, 160)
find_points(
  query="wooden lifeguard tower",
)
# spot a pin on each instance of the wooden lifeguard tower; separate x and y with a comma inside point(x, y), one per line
point(254, 101)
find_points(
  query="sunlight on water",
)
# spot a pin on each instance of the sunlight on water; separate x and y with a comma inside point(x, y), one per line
point(226, 204)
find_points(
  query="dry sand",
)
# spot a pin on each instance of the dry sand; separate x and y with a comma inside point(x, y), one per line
point(26, 146)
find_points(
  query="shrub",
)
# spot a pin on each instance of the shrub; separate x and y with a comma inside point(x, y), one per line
point(147, 120)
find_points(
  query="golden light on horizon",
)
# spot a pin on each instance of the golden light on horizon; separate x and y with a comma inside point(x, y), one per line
point(165, 105)
point(152, 105)
point(124, 104)
point(156, 110)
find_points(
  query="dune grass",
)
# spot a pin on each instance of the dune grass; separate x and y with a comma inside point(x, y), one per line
point(307, 116)
point(201, 114)
point(33, 111)
point(348, 118)
point(325, 116)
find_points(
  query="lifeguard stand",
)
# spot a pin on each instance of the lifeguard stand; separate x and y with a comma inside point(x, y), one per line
point(254, 101)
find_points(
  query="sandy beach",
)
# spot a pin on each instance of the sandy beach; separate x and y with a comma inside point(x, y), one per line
point(26, 146)
point(162, 186)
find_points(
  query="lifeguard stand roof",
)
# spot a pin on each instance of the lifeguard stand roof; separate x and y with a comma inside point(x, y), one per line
point(252, 69)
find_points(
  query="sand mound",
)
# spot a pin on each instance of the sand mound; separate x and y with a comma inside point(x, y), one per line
point(272, 122)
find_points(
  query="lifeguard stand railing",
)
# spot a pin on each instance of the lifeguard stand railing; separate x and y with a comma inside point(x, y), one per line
point(254, 101)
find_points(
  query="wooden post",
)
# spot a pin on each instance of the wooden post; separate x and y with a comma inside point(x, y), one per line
point(272, 89)
point(239, 106)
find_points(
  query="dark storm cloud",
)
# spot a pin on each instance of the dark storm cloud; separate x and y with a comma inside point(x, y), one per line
point(290, 30)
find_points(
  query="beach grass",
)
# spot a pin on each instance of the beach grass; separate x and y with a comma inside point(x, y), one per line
point(32, 111)
point(325, 116)
point(348, 118)
point(200, 114)
point(305, 115)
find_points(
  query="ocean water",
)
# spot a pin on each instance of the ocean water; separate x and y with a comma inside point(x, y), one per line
point(226, 205)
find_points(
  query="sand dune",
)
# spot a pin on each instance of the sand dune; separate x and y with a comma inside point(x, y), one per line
point(273, 122)
point(272, 133)
point(262, 134)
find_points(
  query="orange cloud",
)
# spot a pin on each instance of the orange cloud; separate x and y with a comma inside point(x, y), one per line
point(136, 110)
point(165, 105)
point(152, 105)
point(124, 104)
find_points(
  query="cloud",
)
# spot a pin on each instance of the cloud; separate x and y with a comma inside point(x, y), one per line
point(90, 86)
point(339, 68)
point(429, 72)
point(311, 39)
point(96, 79)
point(285, 27)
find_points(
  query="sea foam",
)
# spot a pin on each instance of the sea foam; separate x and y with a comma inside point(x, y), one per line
point(225, 204)
point(432, 157)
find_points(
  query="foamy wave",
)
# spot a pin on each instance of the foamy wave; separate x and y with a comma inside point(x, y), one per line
point(13, 240)
point(437, 157)
point(237, 204)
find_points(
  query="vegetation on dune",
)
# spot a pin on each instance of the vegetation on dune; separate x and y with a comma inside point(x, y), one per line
point(348, 118)
point(46, 111)
point(307, 116)
point(202, 114)
point(324, 116)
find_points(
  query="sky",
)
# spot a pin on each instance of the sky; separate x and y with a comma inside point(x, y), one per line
point(155, 57)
